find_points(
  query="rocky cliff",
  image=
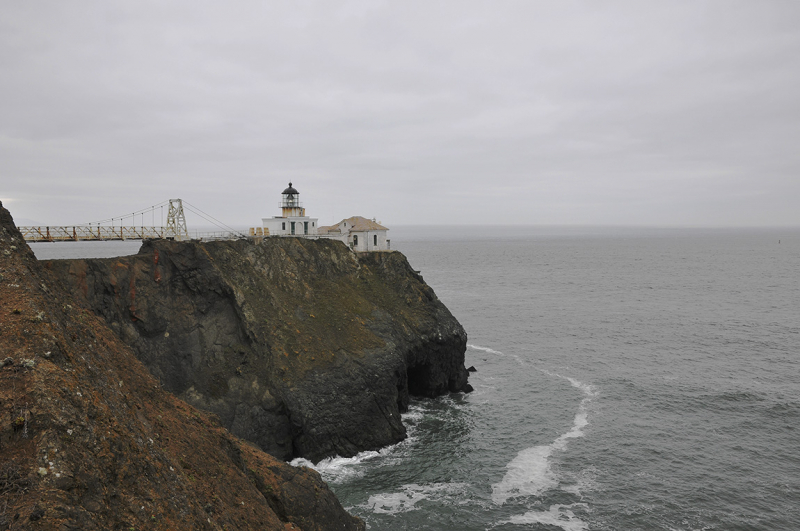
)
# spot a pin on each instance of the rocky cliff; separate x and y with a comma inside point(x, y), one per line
point(301, 346)
point(89, 440)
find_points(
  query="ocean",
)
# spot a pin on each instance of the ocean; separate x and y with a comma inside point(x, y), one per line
point(627, 379)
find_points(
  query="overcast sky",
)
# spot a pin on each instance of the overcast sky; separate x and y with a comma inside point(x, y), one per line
point(413, 112)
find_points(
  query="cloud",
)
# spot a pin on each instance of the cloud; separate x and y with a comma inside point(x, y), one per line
point(414, 112)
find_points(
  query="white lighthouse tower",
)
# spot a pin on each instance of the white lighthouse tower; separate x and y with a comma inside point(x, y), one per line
point(293, 220)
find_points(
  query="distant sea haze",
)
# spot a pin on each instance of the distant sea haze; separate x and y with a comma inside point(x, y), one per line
point(626, 379)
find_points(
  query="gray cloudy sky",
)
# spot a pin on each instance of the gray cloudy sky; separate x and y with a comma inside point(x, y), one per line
point(540, 112)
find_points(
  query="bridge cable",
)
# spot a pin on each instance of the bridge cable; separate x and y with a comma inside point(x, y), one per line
point(195, 210)
point(121, 218)
point(218, 223)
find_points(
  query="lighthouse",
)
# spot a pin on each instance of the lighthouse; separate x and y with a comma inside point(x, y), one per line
point(293, 220)
point(290, 203)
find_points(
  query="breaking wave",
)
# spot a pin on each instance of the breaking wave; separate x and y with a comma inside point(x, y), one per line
point(341, 469)
point(410, 495)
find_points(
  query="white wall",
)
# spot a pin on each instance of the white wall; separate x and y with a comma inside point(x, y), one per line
point(276, 225)
point(366, 240)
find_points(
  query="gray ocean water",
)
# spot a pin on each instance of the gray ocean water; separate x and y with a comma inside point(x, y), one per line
point(626, 379)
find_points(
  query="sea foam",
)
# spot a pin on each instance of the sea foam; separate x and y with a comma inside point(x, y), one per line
point(341, 469)
point(410, 495)
point(497, 352)
point(529, 473)
point(558, 516)
point(483, 349)
point(338, 469)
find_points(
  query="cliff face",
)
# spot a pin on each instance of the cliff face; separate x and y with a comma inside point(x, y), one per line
point(89, 440)
point(301, 346)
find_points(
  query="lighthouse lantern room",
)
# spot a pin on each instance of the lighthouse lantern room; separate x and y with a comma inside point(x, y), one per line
point(290, 203)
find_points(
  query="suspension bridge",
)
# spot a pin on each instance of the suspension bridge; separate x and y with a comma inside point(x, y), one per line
point(124, 227)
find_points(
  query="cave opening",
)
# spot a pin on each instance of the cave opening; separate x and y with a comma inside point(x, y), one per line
point(419, 381)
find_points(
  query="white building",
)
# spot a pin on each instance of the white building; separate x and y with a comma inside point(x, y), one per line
point(360, 234)
point(293, 219)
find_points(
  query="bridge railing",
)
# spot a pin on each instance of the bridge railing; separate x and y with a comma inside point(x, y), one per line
point(219, 235)
point(323, 236)
point(107, 233)
point(85, 232)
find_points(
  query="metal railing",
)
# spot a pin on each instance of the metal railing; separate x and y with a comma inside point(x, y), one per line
point(88, 233)
point(108, 233)
point(219, 235)
point(325, 236)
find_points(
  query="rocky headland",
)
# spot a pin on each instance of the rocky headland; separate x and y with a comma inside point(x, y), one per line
point(303, 347)
point(89, 439)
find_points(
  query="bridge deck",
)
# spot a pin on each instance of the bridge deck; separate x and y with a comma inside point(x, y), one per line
point(98, 233)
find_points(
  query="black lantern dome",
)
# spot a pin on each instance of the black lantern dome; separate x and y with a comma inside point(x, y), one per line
point(291, 200)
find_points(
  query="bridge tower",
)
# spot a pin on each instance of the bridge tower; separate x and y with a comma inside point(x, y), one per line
point(176, 221)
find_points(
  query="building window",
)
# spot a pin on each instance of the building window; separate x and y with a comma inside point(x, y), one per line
point(292, 222)
point(283, 226)
point(312, 224)
point(355, 240)
point(305, 227)
point(375, 240)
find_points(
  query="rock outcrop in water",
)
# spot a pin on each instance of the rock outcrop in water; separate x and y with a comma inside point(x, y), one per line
point(89, 440)
point(301, 346)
